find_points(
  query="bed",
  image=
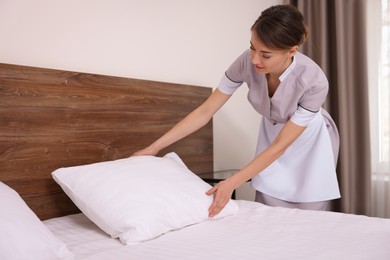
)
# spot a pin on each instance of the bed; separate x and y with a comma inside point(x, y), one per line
point(54, 120)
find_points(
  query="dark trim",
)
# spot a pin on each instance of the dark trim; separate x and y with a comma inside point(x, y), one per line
point(233, 80)
point(308, 109)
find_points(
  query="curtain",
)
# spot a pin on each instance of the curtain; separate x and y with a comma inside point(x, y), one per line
point(337, 43)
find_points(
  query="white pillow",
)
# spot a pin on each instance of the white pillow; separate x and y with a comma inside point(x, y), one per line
point(139, 198)
point(22, 234)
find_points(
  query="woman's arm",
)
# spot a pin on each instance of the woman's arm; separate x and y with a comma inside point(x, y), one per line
point(223, 190)
point(191, 123)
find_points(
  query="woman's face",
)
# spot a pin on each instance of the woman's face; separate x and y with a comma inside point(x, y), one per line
point(273, 61)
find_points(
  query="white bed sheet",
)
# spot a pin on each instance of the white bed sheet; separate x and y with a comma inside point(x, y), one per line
point(255, 232)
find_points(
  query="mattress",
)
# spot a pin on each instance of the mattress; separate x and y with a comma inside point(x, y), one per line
point(257, 231)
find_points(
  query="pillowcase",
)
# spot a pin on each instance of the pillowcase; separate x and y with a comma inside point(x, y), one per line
point(139, 198)
point(22, 234)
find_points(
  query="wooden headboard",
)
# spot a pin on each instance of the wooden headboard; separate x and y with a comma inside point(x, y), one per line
point(52, 118)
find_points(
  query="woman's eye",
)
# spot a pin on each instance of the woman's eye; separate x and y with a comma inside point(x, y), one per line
point(252, 48)
point(266, 56)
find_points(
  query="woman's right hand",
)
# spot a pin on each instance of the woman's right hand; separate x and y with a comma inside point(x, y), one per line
point(146, 151)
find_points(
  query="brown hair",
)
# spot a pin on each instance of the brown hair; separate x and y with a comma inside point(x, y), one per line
point(280, 27)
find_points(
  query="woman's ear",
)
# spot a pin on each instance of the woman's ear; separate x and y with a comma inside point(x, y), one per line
point(293, 50)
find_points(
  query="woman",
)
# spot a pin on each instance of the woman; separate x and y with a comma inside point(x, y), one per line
point(298, 141)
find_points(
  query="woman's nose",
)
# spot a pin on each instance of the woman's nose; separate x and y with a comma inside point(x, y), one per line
point(256, 59)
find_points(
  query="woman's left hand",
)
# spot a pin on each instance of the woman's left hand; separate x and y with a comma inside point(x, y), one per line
point(222, 192)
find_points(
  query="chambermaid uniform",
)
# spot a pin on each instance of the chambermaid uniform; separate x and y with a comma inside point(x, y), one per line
point(306, 171)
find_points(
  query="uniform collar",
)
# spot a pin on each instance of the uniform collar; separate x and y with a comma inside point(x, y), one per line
point(288, 70)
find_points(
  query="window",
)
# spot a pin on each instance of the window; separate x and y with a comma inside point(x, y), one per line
point(380, 109)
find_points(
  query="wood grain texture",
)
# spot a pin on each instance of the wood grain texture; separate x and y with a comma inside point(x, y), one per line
point(52, 118)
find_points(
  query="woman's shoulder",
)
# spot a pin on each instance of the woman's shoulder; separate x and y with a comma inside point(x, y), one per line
point(305, 62)
point(308, 72)
point(241, 69)
point(244, 56)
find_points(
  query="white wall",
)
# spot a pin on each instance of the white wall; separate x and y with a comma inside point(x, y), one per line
point(191, 42)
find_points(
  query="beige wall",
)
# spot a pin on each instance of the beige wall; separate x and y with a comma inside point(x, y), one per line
point(190, 42)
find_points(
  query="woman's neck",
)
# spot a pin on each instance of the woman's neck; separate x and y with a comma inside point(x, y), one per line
point(276, 75)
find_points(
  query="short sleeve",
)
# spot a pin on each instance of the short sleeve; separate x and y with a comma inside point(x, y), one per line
point(228, 86)
point(302, 116)
point(315, 96)
point(234, 75)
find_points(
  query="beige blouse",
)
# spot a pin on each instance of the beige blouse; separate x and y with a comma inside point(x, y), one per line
point(306, 171)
